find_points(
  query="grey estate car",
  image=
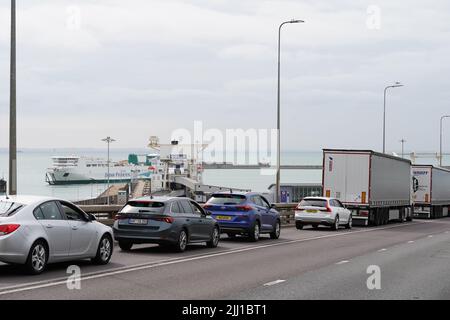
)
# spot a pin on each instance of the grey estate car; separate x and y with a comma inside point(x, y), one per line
point(165, 221)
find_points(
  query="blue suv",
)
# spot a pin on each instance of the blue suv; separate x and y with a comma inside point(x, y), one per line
point(247, 214)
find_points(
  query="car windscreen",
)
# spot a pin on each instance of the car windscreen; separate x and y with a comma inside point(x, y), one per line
point(143, 207)
point(8, 208)
point(313, 203)
point(224, 199)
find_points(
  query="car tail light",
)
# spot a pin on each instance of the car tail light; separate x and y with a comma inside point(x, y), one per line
point(119, 217)
point(165, 219)
point(244, 208)
point(206, 206)
point(8, 228)
point(326, 209)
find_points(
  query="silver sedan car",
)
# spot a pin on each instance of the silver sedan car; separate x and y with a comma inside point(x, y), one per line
point(35, 231)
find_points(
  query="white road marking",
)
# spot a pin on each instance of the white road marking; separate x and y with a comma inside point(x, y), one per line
point(342, 262)
point(268, 284)
point(126, 269)
point(381, 250)
point(411, 241)
point(430, 236)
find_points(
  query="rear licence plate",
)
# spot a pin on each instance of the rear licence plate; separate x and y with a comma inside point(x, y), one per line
point(138, 221)
point(227, 218)
point(312, 211)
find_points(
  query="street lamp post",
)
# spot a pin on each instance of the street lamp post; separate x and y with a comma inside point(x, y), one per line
point(12, 108)
point(277, 191)
point(108, 140)
point(396, 85)
point(440, 140)
point(402, 141)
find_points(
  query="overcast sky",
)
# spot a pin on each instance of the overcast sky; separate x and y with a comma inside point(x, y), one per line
point(131, 69)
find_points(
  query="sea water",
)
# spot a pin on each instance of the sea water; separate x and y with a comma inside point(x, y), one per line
point(33, 163)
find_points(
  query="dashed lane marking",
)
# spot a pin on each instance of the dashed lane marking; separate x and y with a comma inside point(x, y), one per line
point(272, 283)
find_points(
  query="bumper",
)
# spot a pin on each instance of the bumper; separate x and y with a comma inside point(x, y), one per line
point(145, 236)
point(322, 220)
point(235, 227)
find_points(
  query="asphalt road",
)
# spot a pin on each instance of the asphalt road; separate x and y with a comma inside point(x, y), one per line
point(414, 261)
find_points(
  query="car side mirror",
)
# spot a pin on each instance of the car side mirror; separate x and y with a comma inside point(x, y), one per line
point(273, 206)
point(207, 213)
point(91, 217)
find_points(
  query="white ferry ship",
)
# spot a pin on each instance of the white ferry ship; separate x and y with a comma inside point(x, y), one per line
point(79, 170)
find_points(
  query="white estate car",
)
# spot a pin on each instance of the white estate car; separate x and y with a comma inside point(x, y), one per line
point(35, 231)
point(322, 211)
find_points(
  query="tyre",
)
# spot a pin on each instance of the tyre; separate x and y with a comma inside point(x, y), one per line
point(402, 216)
point(182, 242)
point(255, 232)
point(376, 220)
point(277, 231)
point(231, 235)
point(215, 236)
point(125, 245)
point(104, 251)
point(37, 258)
point(336, 223)
point(349, 224)
point(315, 226)
point(299, 225)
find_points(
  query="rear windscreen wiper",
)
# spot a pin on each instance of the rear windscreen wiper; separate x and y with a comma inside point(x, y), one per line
point(13, 210)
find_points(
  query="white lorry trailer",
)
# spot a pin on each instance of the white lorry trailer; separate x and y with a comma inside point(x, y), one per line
point(376, 187)
point(431, 191)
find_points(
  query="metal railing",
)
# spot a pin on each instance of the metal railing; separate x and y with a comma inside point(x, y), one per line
point(106, 213)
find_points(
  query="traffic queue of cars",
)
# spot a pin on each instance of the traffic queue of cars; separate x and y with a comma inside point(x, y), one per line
point(37, 231)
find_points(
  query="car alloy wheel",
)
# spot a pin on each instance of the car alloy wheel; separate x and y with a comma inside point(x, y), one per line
point(38, 257)
point(256, 232)
point(277, 231)
point(182, 241)
point(105, 249)
point(216, 237)
point(336, 223)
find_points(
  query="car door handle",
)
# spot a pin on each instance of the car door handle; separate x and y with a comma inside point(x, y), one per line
point(74, 228)
point(188, 219)
point(49, 225)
